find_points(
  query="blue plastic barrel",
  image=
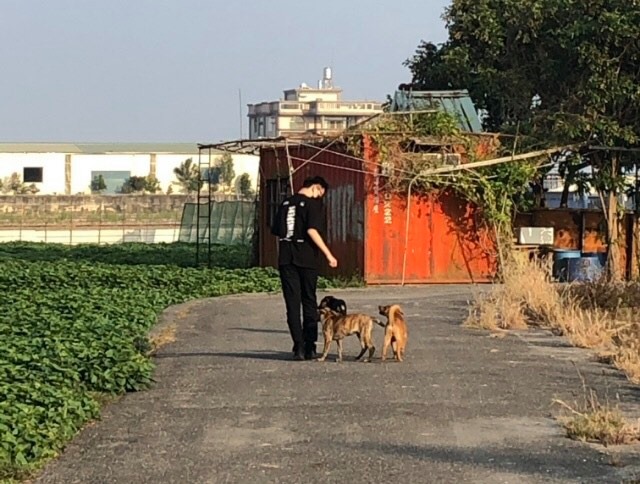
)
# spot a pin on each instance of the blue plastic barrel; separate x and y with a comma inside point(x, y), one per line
point(584, 269)
point(560, 259)
point(602, 257)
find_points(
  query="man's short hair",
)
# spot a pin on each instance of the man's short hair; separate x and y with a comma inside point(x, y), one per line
point(316, 180)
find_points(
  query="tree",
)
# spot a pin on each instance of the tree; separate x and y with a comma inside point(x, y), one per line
point(245, 187)
point(14, 184)
point(32, 189)
point(152, 184)
point(188, 176)
point(212, 177)
point(134, 184)
point(98, 184)
point(553, 71)
point(552, 67)
point(227, 172)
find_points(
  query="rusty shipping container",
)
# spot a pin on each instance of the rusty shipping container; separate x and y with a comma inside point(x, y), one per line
point(375, 234)
point(344, 202)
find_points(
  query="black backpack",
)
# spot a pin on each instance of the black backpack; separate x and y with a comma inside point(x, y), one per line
point(279, 227)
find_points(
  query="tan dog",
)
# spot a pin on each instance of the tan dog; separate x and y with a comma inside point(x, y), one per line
point(336, 327)
point(395, 332)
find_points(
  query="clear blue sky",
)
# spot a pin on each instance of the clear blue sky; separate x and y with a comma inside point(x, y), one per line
point(160, 70)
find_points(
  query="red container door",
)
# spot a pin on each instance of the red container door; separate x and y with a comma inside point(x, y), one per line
point(397, 249)
point(463, 251)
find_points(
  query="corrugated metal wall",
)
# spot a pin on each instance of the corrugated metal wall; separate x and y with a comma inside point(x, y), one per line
point(463, 250)
point(440, 241)
point(366, 226)
point(344, 202)
point(444, 243)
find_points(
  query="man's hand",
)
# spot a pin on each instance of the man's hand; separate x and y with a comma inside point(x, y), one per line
point(317, 238)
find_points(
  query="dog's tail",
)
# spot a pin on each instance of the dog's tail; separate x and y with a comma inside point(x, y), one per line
point(377, 321)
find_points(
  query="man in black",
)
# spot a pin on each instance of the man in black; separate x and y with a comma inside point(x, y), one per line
point(298, 226)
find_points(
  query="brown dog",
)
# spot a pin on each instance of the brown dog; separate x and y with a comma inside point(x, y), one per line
point(395, 332)
point(336, 327)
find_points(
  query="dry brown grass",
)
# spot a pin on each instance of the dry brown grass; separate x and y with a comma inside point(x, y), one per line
point(599, 316)
point(593, 421)
point(526, 296)
point(600, 424)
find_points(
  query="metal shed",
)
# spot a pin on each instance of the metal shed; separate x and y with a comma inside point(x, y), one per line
point(384, 238)
point(457, 103)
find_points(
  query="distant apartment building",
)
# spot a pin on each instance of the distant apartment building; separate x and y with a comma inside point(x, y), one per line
point(310, 110)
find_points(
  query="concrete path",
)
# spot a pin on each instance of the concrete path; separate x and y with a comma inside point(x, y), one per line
point(229, 406)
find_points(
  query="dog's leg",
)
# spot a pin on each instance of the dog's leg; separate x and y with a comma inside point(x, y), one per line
point(395, 347)
point(363, 347)
point(339, 359)
point(367, 343)
point(327, 345)
point(401, 350)
point(385, 344)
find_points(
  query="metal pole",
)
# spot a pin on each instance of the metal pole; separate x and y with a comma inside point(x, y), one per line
point(100, 210)
point(46, 221)
point(209, 206)
point(21, 218)
point(406, 230)
point(124, 215)
point(71, 222)
point(198, 207)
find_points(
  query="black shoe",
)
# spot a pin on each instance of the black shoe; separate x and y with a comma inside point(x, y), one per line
point(298, 355)
point(310, 352)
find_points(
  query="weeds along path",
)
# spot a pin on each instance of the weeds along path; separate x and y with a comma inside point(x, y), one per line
point(229, 406)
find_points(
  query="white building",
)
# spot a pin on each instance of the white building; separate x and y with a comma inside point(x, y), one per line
point(68, 169)
point(554, 186)
point(308, 110)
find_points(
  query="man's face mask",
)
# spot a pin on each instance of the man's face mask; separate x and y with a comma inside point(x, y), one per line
point(318, 191)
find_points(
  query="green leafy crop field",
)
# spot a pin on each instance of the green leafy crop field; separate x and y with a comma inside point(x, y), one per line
point(73, 327)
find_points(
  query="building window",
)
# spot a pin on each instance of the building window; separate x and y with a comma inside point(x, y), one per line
point(335, 123)
point(32, 175)
point(112, 179)
point(297, 123)
point(277, 191)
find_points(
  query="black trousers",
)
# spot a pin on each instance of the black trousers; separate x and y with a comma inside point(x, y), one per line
point(299, 288)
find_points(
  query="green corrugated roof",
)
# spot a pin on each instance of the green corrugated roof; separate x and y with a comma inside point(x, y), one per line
point(454, 102)
point(99, 148)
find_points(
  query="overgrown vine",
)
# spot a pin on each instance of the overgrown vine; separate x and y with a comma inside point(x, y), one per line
point(407, 144)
